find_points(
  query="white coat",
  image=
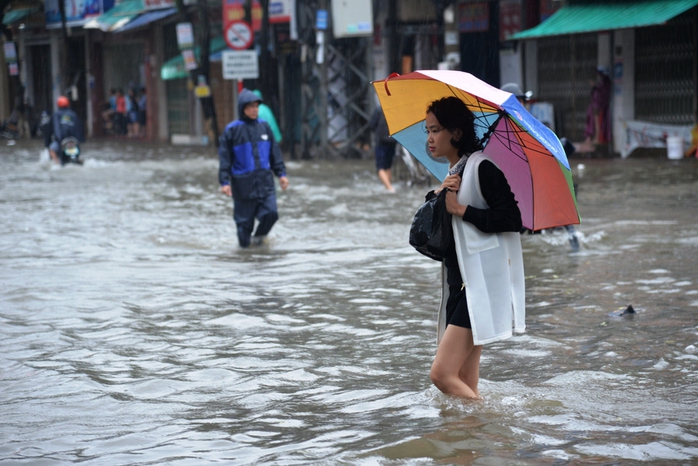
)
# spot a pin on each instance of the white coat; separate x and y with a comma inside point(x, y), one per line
point(492, 269)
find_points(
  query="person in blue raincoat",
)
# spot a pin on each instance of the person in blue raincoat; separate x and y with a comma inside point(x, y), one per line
point(249, 158)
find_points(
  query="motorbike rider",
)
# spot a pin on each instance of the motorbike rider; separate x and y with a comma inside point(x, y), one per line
point(64, 123)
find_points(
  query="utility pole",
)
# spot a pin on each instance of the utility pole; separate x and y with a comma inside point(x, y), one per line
point(15, 83)
point(203, 40)
point(321, 59)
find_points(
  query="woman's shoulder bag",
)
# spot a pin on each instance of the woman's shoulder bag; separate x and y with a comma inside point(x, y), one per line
point(431, 233)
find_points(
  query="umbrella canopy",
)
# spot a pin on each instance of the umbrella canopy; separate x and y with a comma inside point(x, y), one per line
point(527, 151)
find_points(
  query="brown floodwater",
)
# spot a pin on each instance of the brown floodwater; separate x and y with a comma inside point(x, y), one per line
point(133, 330)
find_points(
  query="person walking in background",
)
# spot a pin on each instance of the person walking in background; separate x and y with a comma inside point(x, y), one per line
point(121, 112)
point(266, 114)
point(384, 148)
point(142, 117)
point(249, 158)
point(598, 127)
point(483, 277)
point(109, 110)
point(133, 128)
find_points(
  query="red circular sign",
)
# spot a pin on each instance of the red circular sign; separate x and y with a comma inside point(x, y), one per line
point(238, 35)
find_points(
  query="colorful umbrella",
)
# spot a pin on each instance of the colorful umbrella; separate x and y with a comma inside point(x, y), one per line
point(527, 151)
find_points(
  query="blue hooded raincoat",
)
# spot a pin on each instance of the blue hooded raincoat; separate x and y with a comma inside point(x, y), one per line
point(249, 156)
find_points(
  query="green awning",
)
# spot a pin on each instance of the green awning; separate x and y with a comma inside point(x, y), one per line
point(606, 16)
point(15, 15)
point(117, 17)
point(174, 67)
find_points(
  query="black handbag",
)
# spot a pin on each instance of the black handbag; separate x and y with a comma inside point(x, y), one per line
point(431, 233)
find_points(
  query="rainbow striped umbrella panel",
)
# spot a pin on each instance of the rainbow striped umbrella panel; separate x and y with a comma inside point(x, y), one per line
point(528, 152)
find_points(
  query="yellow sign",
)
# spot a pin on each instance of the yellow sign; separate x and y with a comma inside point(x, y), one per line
point(202, 91)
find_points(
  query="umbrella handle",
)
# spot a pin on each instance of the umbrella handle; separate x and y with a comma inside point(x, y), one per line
point(392, 75)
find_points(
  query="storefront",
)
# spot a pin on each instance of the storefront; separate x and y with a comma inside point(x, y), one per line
point(649, 48)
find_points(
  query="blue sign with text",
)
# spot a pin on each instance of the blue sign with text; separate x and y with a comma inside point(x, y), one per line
point(321, 19)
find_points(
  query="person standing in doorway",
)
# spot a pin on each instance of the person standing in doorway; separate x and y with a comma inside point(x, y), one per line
point(142, 117)
point(121, 112)
point(598, 127)
point(249, 158)
point(132, 109)
point(384, 148)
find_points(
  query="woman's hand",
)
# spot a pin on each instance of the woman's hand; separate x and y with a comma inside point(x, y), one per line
point(451, 182)
point(452, 205)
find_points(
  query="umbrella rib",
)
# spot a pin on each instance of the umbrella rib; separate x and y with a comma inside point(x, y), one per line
point(479, 107)
point(506, 139)
point(531, 148)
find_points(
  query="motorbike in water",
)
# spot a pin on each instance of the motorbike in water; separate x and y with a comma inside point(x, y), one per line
point(70, 151)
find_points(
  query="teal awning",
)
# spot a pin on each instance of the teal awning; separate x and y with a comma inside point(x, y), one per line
point(117, 17)
point(174, 67)
point(606, 16)
point(13, 16)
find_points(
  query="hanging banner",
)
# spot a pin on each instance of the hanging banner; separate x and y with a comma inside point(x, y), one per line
point(644, 134)
point(509, 18)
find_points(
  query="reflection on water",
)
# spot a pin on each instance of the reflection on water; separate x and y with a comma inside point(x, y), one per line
point(133, 331)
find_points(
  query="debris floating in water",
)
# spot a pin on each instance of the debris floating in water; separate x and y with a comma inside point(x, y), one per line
point(624, 311)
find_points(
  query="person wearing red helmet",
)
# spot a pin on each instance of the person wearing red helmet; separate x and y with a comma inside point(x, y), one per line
point(63, 102)
point(64, 123)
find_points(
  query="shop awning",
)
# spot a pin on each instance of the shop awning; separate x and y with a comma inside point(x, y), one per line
point(147, 18)
point(15, 15)
point(606, 16)
point(174, 67)
point(117, 17)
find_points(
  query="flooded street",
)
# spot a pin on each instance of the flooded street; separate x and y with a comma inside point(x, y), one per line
point(133, 330)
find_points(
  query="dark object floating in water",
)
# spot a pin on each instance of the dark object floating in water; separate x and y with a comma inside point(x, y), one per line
point(624, 311)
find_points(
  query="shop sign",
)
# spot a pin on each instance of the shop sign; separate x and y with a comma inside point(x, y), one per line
point(233, 10)
point(473, 17)
point(10, 52)
point(158, 4)
point(189, 59)
point(185, 36)
point(280, 11)
point(76, 13)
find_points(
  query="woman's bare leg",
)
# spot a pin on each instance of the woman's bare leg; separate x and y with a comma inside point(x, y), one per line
point(470, 371)
point(456, 368)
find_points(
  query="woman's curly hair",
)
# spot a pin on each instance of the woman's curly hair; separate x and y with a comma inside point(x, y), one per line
point(452, 114)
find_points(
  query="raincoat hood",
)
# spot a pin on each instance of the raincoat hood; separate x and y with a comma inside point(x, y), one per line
point(246, 97)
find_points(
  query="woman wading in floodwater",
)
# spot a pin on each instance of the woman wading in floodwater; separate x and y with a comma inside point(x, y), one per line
point(483, 284)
